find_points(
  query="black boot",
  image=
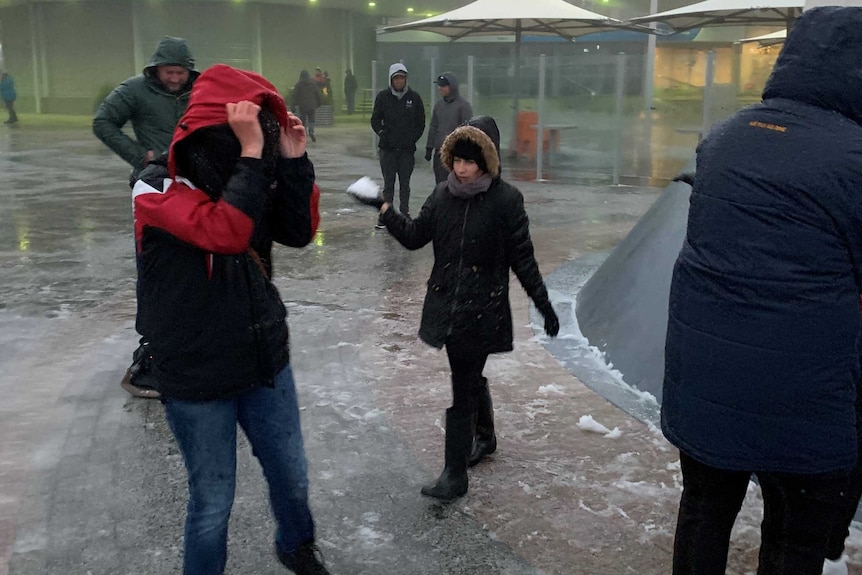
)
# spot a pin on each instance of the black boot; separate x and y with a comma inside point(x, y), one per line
point(452, 483)
point(486, 440)
point(307, 560)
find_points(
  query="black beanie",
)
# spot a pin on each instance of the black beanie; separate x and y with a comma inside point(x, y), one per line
point(469, 150)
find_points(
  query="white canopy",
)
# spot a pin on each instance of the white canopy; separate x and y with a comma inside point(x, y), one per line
point(519, 17)
point(728, 12)
point(767, 39)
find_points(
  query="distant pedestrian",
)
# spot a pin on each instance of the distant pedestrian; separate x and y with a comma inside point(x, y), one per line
point(450, 112)
point(761, 361)
point(398, 120)
point(7, 93)
point(306, 99)
point(350, 88)
point(479, 229)
point(237, 179)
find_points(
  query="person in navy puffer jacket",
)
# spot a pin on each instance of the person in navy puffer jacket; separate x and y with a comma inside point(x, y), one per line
point(760, 362)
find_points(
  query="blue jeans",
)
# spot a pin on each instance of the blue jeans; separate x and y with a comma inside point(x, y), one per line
point(206, 434)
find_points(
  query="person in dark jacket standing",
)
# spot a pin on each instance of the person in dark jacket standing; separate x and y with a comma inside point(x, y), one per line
point(153, 102)
point(8, 95)
point(450, 112)
point(761, 364)
point(479, 229)
point(350, 88)
point(398, 120)
point(306, 99)
point(237, 180)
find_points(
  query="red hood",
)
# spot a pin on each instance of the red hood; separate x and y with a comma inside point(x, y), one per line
point(220, 85)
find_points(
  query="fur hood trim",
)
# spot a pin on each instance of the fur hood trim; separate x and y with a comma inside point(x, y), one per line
point(478, 137)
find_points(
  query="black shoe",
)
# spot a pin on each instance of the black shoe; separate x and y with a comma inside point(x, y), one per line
point(136, 389)
point(307, 560)
point(313, 139)
point(139, 380)
point(379, 226)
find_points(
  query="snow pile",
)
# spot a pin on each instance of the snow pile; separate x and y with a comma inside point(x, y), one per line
point(587, 423)
point(364, 187)
point(548, 389)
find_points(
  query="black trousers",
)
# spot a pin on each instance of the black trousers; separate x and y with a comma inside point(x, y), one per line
point(397, 163)
point(841, 526)
point(798, 512)
point(10, 108)
point(466, 377)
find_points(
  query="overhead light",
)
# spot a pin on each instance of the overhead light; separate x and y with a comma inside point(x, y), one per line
point(372, 4)
point(410, 9)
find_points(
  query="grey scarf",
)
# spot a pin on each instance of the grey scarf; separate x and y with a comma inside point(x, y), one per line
point(467, 191)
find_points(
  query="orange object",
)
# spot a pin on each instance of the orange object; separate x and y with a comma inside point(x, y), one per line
point(527, 141)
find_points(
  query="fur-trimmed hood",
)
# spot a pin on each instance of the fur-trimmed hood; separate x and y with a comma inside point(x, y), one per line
point(477, 132)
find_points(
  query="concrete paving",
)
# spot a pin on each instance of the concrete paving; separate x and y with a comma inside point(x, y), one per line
point(91, 481)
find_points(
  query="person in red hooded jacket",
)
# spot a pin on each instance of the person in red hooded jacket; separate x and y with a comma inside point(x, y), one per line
point(237, 179)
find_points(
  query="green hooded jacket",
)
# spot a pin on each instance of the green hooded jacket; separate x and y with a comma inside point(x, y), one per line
point(148, 105)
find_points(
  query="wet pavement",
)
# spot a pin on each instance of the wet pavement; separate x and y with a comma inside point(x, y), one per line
point(91, 481)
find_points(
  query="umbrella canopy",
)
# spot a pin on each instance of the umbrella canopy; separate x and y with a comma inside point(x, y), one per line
point(519, 17)
point(728, 13)
point(767, 39)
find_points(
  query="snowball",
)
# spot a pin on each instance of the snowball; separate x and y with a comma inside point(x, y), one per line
point(364, 187)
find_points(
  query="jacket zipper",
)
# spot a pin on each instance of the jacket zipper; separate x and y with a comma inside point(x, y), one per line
point(458, 271)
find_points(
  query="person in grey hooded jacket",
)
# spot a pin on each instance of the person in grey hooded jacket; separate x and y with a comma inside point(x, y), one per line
point(450, 112)
point(398, 120)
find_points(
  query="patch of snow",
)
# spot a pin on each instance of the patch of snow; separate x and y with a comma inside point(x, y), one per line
point(587, 423)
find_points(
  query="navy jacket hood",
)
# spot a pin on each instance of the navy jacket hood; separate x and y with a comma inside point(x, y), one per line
point(821, 63)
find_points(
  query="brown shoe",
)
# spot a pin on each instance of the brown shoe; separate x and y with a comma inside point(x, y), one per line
point(136, 390)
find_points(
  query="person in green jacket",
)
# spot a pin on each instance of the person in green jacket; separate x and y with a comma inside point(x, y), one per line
point(153, 102)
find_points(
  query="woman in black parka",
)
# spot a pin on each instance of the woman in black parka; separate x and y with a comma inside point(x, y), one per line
point(479, 230)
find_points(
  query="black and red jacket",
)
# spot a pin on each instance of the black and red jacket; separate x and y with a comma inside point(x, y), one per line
point(215, 322)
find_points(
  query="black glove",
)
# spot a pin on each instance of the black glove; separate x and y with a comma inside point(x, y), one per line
point(552, 322)
point(376, 203)
point(429, 153)
point(686, 178)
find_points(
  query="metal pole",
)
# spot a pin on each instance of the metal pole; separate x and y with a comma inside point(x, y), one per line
point(540, 124)
point(620, 83)
point(34, 43)
point(649, 67)
point(433, 79)
point(470, 63)
point(707, 93)
point(350, 40)
point(43, 54)
point(137, 41)
point(257, 64)
point(516, 86)
point(373, 97)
